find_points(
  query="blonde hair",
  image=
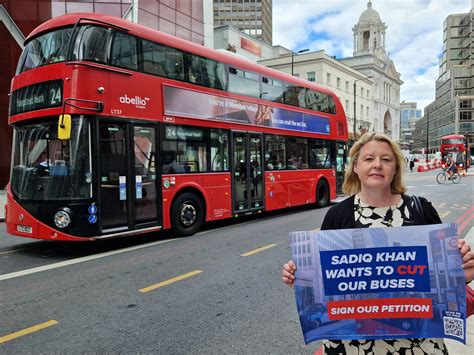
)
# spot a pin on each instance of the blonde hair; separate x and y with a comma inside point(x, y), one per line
point(352, 184)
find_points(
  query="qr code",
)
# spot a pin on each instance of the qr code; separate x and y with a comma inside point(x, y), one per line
point(454, 327)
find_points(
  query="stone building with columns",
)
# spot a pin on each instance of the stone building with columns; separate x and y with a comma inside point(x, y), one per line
point(370, 58)
point(367, 84)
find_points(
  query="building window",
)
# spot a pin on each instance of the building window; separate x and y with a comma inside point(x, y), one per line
point(347, 106)
point(296, 75)
point(347, 85)
point(328, 78)
point(338, 82)
point(361, 92)
point(311, 76)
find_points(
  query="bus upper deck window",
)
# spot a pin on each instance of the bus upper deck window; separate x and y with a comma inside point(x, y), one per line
point(92, 44)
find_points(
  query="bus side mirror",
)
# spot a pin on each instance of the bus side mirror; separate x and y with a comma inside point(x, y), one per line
point(64, 127)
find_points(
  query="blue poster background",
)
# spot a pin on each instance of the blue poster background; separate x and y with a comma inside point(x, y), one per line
point(327, 271)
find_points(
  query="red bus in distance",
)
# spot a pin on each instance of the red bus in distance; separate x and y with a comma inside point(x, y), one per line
point(455, 145)
point(120, 129)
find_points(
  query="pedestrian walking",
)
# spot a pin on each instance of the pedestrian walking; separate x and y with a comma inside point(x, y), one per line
point(412, 164)
point(374, 183)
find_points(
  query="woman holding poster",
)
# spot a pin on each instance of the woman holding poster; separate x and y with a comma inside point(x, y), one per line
point(374, 183)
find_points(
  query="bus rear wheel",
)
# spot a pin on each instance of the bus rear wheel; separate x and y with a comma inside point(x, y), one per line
point(187, 214)
point(322, 194)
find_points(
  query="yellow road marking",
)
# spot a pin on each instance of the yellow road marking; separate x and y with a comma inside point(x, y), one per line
point(315, 230)
point(444, 214)
point(258, 250)
point(170, 281)
point(27, 331)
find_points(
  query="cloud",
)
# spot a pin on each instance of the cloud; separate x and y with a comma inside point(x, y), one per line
point(414, 35)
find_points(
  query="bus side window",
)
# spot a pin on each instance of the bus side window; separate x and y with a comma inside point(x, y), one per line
point(196, 69)
point(318, 101)
point(124, 51)
point(219, 150)
point(294, 96)
point(93, 44)
point(244, 83)
point(206, 72)
point(174, 63)
point(319, 154)
point(272, 89)
point(153, 58)
point(332, 106)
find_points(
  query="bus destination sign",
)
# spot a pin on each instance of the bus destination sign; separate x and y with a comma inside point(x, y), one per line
point(38, 96)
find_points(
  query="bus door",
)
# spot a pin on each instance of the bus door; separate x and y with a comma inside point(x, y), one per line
point(247, 175)
point(127, 180)
point(341, 157)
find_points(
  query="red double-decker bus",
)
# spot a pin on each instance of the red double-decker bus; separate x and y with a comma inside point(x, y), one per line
point(120, 129)
point(455, 145)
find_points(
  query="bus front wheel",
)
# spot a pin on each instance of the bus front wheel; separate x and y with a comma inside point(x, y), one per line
point(322, 194)
point(187, 214)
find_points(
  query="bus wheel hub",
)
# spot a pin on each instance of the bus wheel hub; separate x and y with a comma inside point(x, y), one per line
point(188, 214)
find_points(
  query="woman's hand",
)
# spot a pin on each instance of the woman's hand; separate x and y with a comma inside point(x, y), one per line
point(467, 259)
point(288, 273)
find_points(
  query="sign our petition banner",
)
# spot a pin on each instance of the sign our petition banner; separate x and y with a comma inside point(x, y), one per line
point(380, 283)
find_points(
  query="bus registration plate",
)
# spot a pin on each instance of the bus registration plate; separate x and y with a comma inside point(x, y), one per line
point(24, 229)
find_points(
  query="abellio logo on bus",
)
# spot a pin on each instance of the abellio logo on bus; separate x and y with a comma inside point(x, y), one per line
point(137, 101)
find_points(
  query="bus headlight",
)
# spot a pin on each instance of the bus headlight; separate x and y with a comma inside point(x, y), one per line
point(62, 219)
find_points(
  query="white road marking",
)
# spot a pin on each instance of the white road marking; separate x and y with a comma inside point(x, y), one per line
point(13, 275)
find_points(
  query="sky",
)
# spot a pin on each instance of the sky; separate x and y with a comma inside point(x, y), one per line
point(414, 37)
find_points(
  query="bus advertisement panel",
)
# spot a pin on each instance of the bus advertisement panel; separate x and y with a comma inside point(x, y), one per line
point(120, 129)
point(186, 103)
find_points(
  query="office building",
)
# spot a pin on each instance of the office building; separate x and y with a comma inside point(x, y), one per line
point(409, 114)
point(253, 17)
point(452, 110)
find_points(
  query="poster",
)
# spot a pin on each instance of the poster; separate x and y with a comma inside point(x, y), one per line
point(188, 103)
point(380, 283)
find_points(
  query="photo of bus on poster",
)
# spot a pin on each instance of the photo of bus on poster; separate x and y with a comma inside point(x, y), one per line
point(380, 283)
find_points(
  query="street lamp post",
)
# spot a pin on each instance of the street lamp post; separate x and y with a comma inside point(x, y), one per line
point(293, 55)
point(355, 107)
